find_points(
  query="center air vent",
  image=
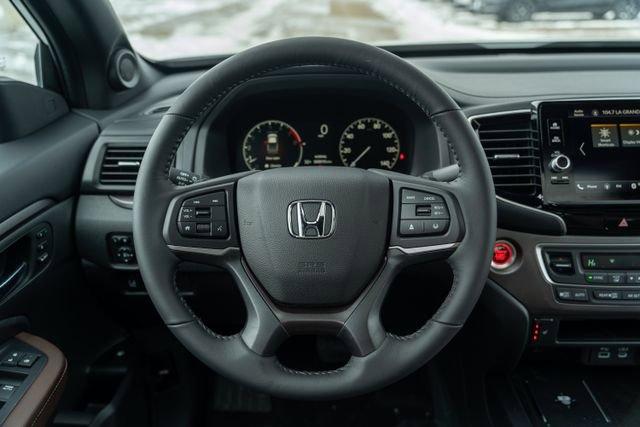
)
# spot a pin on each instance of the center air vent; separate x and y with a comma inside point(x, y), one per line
point(511, 146)
point(120, 164)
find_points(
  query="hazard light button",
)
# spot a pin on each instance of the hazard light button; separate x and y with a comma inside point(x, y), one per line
point(623, 224)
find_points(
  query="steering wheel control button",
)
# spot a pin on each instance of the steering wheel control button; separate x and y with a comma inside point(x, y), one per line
point(423, 210)
point(202, 213)
point(203, 229)
point(504, 255)
point(219, 213)
point(427, 207)
point(435, 227)
point(411, 228)
point(187, 228)
point(187, 214)
point(414, 196)
point(220, 229)
point(213, 199)
point(440, 211)
point(204, 216)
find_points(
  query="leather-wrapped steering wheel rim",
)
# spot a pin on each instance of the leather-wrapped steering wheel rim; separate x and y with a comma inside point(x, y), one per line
point(380, 358)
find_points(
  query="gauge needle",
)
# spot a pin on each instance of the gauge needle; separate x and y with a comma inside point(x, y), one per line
point(366, 150)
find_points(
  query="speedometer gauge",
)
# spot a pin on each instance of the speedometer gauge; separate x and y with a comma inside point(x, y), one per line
point(369, 143)
point(272, 144)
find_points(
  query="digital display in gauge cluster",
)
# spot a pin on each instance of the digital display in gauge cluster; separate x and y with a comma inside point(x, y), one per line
point(364, 142)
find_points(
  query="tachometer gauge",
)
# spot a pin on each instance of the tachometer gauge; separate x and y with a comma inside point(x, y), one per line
point(272, 144)
point(369, 143)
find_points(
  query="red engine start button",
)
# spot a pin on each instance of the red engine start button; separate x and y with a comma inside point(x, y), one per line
point(504, 255)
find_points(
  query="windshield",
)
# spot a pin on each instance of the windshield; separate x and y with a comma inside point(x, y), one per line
point(168, 29)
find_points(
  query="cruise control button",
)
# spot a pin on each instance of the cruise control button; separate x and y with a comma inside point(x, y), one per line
point(411, 228)
point(439, 210)
point(414, 196)
point(434, 227)
point(411, 211)
point(607, 295)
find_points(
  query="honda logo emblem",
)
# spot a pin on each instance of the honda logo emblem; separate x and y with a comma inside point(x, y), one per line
point(311, 219)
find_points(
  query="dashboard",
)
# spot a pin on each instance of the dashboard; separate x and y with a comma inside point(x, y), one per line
point(546, 133)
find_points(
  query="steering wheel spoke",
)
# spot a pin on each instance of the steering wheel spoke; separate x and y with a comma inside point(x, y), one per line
point(200, 222)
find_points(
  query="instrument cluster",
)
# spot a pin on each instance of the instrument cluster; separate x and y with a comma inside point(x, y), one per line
point(290, 132)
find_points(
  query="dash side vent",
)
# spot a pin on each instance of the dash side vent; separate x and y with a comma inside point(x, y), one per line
point(120, 164)
point(511, 145)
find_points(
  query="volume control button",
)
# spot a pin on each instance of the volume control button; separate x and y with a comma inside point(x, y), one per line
point(560, 163)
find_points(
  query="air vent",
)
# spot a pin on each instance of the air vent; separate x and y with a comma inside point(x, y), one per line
point(511, 146)
point(120, 164)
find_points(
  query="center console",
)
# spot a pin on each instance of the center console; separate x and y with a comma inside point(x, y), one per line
point(580, 285)
point(590, 161)
point(592, 274)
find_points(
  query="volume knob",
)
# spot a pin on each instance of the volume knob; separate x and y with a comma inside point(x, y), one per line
point(560, 163)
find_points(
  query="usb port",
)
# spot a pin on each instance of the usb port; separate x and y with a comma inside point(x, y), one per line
point(423, 210)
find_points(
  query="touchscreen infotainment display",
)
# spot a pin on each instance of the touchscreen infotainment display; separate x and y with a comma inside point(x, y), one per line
point(590, 151)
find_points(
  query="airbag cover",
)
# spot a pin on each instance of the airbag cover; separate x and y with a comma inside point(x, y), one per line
point(329, 271)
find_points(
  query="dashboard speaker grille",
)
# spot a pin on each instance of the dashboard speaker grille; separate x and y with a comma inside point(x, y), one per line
point(120, 164)
point(511, 145)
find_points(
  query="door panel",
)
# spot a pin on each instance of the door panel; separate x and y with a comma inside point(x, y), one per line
point(40, 276)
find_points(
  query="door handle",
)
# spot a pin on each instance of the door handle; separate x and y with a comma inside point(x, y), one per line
point(10, 280)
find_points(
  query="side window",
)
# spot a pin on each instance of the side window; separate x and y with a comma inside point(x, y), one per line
point(17, 46)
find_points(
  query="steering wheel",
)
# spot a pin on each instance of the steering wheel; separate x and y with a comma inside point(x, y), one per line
point(315, 249)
